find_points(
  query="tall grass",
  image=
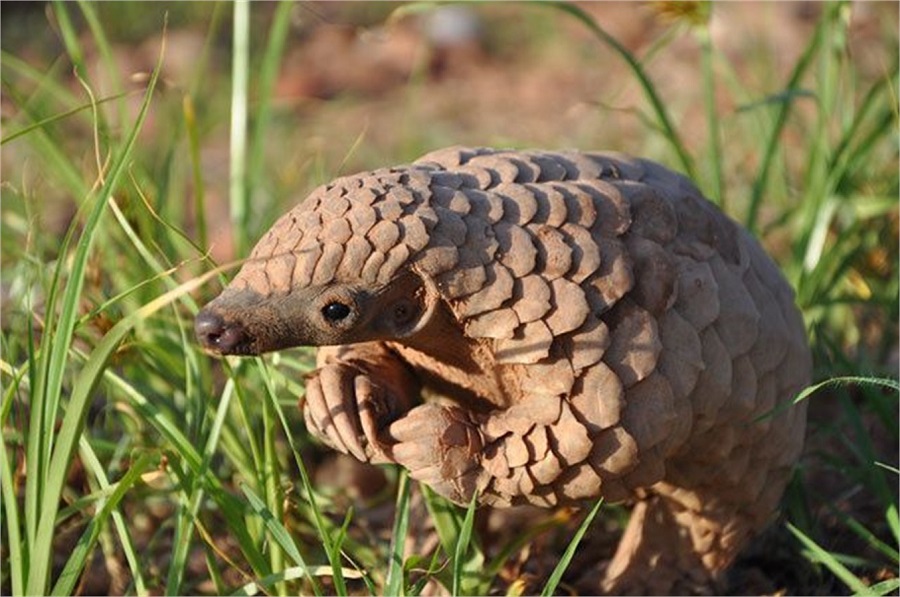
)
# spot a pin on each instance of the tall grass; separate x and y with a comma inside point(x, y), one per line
point(122, 439)
point(50, 453)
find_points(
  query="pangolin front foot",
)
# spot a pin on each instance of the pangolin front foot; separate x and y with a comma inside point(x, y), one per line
point(354, 396)
point(441, 447)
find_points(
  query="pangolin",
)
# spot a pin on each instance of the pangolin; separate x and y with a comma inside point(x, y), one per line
point(542, 327)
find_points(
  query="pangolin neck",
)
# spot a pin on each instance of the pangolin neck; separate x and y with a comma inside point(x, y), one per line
point(462, 369)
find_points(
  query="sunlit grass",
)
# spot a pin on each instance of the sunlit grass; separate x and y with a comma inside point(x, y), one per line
point(100, 368)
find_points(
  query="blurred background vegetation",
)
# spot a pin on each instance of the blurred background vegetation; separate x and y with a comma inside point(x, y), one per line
point(131, 455)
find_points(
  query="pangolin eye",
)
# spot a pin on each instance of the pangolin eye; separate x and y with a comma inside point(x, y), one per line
point(335, 311)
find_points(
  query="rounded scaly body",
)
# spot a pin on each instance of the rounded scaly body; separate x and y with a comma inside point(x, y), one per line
point(546, 328)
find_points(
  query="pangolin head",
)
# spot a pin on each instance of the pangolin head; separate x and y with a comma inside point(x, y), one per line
point(346, 265)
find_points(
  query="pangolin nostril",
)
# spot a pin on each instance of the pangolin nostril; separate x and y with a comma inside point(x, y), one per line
point(229, 339)
point(214, 333)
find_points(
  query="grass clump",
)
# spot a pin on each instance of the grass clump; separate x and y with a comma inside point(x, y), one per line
point(133, 463)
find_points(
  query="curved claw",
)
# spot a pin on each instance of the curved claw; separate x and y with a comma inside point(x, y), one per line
point(340, 400)
point(374, 416)
point(348, 411)
point(316, 414)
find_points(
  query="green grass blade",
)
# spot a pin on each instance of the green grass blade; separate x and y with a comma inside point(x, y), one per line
point(71, 426)
point(872, 477)
point(816, 235)
point(866, 535)
point(251, 443)
point(773, 141)
point(890, 384)
point(563, 563)
point(338, 552)
point(394, 583)
point(879, 91)
point(886, 587)
point(43, 79)
point(43, 123)
point(268, 73)
point(13, 387)
point(169, 430)
point(199, 196)
point(188, 514)
point(279, 533)
point(172, 432)
point(659, 108)
point(212, 566)
point(808, 391)
point(445, 518)
point(50, 150)
point(275, 528)
point(818, 554)
point(271, 484)
point(462, 546)
point(292, 573)
point(238, 197)
point(449, 524)
point(429, 571)
point(784, 97)
point(533, 531)
point(318, 520)
point(202, 68)
point(77, 558)
point(893, 520)
point(91, 462)
point(822, 172)
point(69, 35)
point(717, 192)
point(35, 443)
point(17, 563)
point(324, 529)
point(106, 54)
point(183, 523)
point(47, 365)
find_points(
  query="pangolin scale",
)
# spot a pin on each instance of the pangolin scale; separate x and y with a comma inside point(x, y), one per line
point(547, 328)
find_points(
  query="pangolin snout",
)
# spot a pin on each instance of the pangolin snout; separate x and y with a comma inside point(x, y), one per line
point(218, 335)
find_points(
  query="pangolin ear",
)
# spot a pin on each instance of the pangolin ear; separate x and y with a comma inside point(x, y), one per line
point(406, 306)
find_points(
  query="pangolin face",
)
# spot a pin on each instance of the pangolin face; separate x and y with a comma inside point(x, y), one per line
point(242, 321)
